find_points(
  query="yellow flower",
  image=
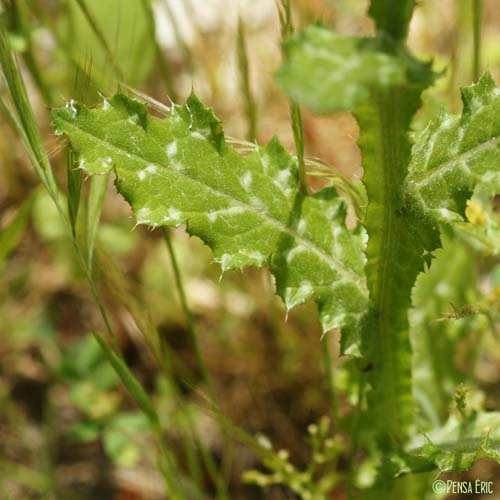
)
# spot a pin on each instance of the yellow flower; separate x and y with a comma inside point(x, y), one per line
point(475, 213)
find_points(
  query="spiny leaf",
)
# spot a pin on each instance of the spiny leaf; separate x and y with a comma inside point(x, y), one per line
point(329, 72)
point(381, 83)
point(247, 209)
point(454, 154)
point(394, 253)
point(454, 447)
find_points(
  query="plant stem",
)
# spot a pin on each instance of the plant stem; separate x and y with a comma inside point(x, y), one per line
point(386, 150)
point(187, 58)
point(19, 21)
point(100, 37)
point(251, 108)
point(91, 73)
point(187, 311)
point(160, 56)
point(298, 136)
point(287, 29)
point(329, 369)
point(191, 327)
point(476, 31)
point(355, 436)
point(206, 456)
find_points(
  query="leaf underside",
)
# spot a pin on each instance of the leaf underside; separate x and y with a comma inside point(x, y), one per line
point(180, 170)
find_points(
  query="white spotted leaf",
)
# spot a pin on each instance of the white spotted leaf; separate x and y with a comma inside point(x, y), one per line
point(455, 446)
point(380, 82)
point(455, 155)
point(248, 209)
point(329, 72)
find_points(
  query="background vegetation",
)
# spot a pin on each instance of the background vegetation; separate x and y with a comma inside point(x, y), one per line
point(68, 427)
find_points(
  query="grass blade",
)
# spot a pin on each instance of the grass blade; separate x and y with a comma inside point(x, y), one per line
point(251, 108)
point(98, 186)
point(133, 386)
point(19, 22)
point(477, 10)
point(100, 36)
point(287, 29)
point(74, 181)
point(160, 56)
point(166, 460)
point(30, 132)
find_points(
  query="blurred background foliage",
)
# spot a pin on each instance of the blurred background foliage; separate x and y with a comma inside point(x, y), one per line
point(68, 429)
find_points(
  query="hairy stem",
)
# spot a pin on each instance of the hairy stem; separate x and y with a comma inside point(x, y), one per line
point(394, 256)
point(476, 33)
point(100, 37)
point(187, 311)
point(287, 29)
point(329, 370)
point(212, 469)
point(251, 108)
point(163, 65)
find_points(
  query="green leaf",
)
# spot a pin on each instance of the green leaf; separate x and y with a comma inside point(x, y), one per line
point(455, 154)
point(454, 447)
point(247, 209)
point(380, 82)
point(392, 18)
point(329, 72)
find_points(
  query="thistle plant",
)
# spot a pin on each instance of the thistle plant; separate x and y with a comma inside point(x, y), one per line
point(250, 209)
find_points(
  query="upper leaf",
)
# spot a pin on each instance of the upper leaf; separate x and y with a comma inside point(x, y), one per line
point(329, 72)
point(247, 209)
point(455, 154)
